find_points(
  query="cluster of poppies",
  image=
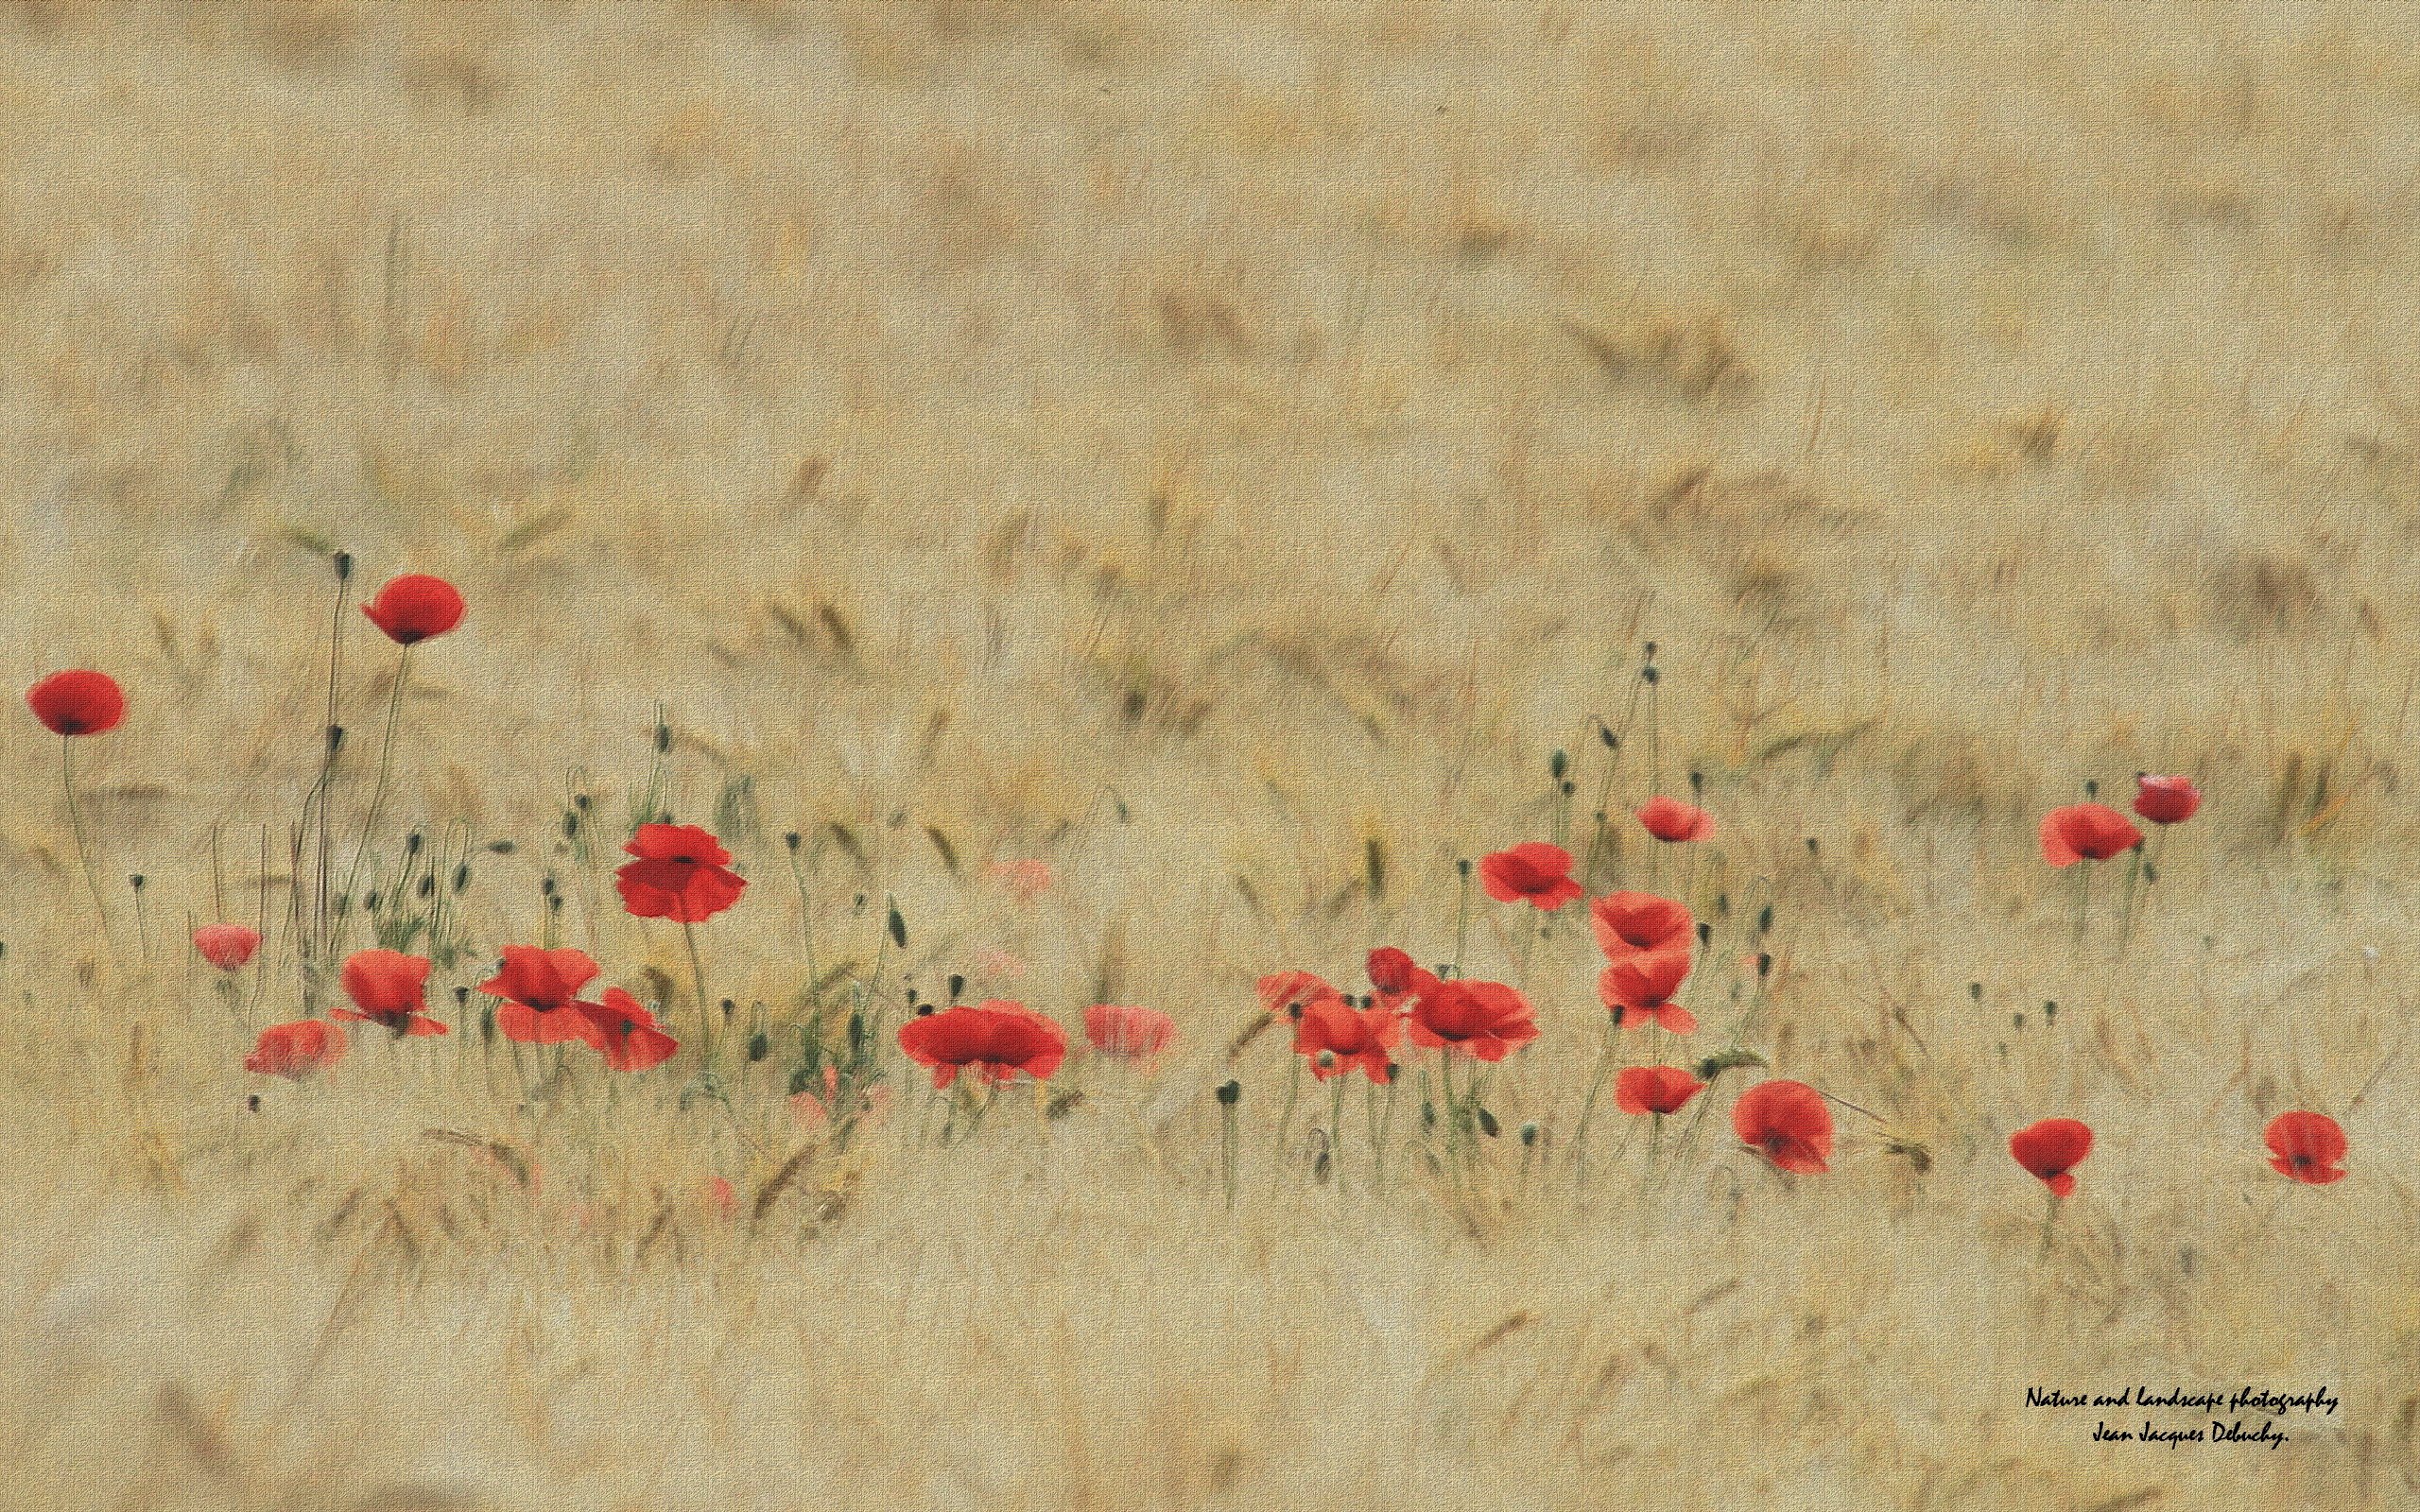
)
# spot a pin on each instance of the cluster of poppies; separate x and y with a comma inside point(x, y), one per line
point(679, 872)
point(682, 874)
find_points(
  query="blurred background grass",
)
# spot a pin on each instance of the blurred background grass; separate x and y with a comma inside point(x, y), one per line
point(1204, 446)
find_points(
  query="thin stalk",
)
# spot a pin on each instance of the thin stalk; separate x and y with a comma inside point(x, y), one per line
point(1588, 1106)
point(1336, 1128)
point(385, 759)
point(75, 828)
point(705, 1007)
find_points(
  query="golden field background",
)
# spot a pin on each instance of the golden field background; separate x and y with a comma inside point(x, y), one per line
point(1200, 446)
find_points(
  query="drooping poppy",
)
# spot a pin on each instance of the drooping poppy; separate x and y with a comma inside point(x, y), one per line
point(1670, 821)
point(1396, 975)
point(682, 873)
point(2086, 831)
point(1787, 1123)
point(77, 703)
point(2165, 800)
point(1336, 1037)
point(538, 987)
point(1532, 872)
point(1127, 1033)
point(2306, 1147)
point(1654, 1088)
point(1629, 923)
point(227, 947)
point(624, 1031)
point(1282, 993)
point(995, 1040)
point(387, 988)
point(1639, 989)
point(414, 608)
point(2051, 1149)
point(294, 1050)
point(1483, 1020)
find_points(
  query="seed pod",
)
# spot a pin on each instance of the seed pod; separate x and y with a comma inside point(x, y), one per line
point(1230, 1092)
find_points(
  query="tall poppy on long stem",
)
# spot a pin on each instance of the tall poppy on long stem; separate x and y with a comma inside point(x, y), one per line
point(69, 704)
point(682, 873)
point(2085, 831)
point(410, 609)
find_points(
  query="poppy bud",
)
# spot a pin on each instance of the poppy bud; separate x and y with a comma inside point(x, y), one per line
point(2049, 1013)
point(487, 1025)
point(663, 737)
point(1696, 783)
point(1706, 933)
point(912, 996)
point(792, 840)
point(1230, 1092)
point(2091, 788)
point(1765, 920)
point(1570, 787)
point(1393, 1069)
point(1428, 1115)
point(2151, 874)
point(571, 824)
point(428, 887)
point(252, 1104)
point(462, 996)
point(579, 801)
point(729, 1007)
point(1975, 990)
point(1650, 675)
point(1556, 764)
point(898, 928)
point(923, 1010)
point(857, 1034)
point(1487, 1124)
point(546, 885)
point(1722, 905)
point(758, 1047)
point(1529, 1134)
point(1764, 964)
point(1463, 865)
point(556, 903)
point(344, 565)
point(336, 739)
point(412, 844)
point(369, 900)
point(502, 847)
point(957, 985)
point(1651, 650)
point(135, 882)
point(1606, 738)
point(2019, 1019)
point(1812, 848)
point(461, 876)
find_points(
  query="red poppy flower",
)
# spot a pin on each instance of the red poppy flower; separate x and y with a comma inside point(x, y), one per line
point(414, 608)
point(1397, 976)
point(77, 703)
point(227, 947)
point(996, 1040)
point(2167, 799)
point(1787, 1123)
point(386, 988)
point(2051, 1149)
point(1627, 922)
point(1669, 820)
point(1535, 871)
point(1348, 1037)
point(537, 985)
point(1484, 1020)
point(2306, 1147)
point(624, 1031)
point(2086, 830)
point(1654, 1090)
point(681, 873)
point(1129, 1034)
point(1639, 987)
point(1281, 992)
point(294, 1050)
